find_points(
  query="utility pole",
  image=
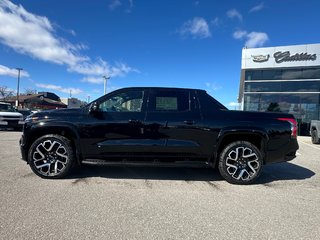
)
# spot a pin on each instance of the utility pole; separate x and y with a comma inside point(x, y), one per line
point(17, 101)
point(105, 84)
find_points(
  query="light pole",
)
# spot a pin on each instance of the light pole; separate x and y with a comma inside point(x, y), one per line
point(17, 101)
point(105, 83)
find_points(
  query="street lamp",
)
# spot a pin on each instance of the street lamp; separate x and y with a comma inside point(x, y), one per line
point(17, 101)
point(105, 83)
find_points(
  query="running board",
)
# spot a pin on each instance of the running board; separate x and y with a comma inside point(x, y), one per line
point(101, 162)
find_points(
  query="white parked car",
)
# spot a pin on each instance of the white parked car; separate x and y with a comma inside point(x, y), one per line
point(315, 131)
point(9, 117)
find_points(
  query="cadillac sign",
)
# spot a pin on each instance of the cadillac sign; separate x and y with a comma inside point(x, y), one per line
point(280, 57)
point(260, 58)
point(285, 56)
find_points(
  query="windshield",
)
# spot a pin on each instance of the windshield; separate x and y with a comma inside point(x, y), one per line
point(6, 108)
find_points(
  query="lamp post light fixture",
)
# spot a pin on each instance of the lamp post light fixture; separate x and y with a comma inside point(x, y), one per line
point(17, 100)
point(105, 83)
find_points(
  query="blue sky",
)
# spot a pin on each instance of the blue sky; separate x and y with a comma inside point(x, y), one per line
point(68, 46)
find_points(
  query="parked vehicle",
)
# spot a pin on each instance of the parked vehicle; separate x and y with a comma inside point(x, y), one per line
point(158, 126)
point(9, 117)
point(25, 112)
point(315, 131)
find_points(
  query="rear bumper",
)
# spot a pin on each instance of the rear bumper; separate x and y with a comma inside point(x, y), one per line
point(285, 153)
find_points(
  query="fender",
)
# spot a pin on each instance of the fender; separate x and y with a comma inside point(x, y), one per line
point(240, 130)
point(58, 127)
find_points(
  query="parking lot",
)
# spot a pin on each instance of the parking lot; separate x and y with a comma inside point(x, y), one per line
point(159, 203)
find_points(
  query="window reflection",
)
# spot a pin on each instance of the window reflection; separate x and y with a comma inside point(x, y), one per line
point(283, 74)
point(123, 102)
point(305, 107)
point(287, 86)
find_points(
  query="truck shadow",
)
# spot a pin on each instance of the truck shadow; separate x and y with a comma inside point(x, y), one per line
point(284, 171)
point(271, 173)
point(148, 173)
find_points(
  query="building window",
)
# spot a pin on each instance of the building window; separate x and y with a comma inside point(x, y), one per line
point(305, 107)
point(283, 74)
point(286, 86)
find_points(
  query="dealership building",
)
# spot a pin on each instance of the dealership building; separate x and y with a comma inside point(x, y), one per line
point(282, 79)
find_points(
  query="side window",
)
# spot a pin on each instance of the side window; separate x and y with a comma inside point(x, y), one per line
point(171, 101)
point(123, 102)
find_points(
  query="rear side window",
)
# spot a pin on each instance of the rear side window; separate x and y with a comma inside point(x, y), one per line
point(169, 101)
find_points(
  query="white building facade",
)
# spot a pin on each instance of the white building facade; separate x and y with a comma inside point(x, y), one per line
point(282, 79)
point(72, 102)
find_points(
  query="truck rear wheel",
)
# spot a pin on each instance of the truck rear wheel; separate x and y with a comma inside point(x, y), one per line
point(240, 163)
point(51, 156)
point(314, 137)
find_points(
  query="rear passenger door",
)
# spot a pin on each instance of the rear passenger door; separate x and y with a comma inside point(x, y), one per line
point(171, 123)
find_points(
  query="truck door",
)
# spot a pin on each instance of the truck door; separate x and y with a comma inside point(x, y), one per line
point(117, 128)
point(172, 123)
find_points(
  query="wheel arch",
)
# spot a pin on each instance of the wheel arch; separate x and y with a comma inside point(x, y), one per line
point(66, 131)
point(257, 137)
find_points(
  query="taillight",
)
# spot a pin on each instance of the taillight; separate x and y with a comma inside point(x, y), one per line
point(294, 125)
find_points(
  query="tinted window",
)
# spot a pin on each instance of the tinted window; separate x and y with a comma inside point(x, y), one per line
point(287, 86)
point(123, 102)
point(6, 108)
point(312, 73)
point(283, 74)
point(170, 100)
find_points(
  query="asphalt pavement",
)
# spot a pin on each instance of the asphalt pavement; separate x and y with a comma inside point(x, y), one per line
point(159, 203)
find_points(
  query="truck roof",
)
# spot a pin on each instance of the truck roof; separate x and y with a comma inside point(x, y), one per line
point(164, 88)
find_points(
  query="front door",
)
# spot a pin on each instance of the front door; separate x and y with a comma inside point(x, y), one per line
point(117, 128)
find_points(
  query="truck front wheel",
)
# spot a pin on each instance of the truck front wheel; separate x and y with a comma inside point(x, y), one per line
point(51, 156)
point(314, 137)
point(240, 163)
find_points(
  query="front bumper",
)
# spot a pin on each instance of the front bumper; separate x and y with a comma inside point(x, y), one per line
point(24, 154)
point(11, 123)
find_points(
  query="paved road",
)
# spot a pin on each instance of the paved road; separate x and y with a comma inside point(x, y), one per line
point(159, 203)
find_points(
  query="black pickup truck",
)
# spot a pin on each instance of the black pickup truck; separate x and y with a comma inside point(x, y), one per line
point(158, 126)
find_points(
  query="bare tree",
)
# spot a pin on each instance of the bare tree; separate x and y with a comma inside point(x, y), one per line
point(5, 92)
point(30, 91)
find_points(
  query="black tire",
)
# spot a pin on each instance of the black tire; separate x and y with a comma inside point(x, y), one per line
point(314, 137)
point(51, 156)
point(240, 163)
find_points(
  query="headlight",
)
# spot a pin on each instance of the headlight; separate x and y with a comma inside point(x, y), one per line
point(31, 118)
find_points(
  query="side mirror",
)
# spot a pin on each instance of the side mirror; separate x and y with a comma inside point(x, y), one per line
point(94, 108)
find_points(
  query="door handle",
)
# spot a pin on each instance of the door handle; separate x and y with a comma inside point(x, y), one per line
point(135, 121)
point(189, 122)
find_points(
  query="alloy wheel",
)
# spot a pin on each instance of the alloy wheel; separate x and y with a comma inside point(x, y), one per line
point(242, 163)
point(50, 158)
